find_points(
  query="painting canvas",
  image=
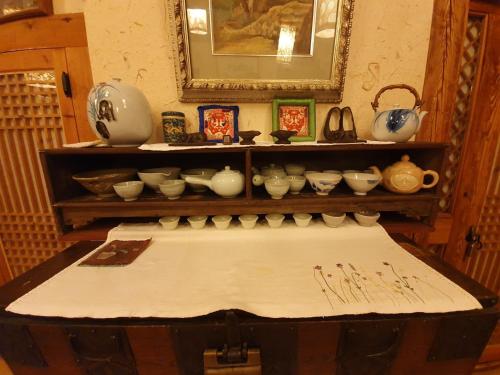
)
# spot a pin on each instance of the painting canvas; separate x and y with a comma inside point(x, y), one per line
point(217, 121)
point(261, 27)
point(295, 118)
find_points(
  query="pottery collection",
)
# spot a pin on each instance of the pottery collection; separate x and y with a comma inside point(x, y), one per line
point(119, 114)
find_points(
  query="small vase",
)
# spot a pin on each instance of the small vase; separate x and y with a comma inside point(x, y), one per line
point(174, 127)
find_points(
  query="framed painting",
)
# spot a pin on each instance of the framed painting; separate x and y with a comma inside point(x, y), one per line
point(296, 115)
point(11, 10)
point(254, 51)
point(218, 122)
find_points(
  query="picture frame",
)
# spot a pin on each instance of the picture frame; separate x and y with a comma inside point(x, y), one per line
point(217, 121)
point(11, 10)
point(298, 115)
point(206, 71)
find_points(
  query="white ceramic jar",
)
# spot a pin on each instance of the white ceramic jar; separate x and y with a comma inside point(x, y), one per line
point(119, 114)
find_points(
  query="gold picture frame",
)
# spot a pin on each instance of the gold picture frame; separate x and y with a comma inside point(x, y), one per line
point(193, 57)
point(11, 10)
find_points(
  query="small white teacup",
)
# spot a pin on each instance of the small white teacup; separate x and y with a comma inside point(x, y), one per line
point(197, 222)
point(222, 221)
point(129, 190)
point(275, 220)
point(333, 219)
point(173, 189)
point(302, 220)
point(297, 183)
point(248, 221)
point(169, 222)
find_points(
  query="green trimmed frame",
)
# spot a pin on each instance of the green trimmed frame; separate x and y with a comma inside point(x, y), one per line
point(310, 103)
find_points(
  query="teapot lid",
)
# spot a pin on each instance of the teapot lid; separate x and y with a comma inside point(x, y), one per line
point(405, 162)
point(227, 169)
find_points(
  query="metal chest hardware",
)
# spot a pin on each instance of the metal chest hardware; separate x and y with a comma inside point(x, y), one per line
point(235, 358)
point(473, 242)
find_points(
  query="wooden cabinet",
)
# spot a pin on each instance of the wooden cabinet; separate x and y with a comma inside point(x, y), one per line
point(235, 341)
point(400, 213)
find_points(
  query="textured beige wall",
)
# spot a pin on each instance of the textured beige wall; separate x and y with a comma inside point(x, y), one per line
point(128, 39)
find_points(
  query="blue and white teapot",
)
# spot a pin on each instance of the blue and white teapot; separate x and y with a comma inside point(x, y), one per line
point(397, 124)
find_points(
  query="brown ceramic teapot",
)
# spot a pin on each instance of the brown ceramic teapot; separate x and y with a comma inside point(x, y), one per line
point(405, 177)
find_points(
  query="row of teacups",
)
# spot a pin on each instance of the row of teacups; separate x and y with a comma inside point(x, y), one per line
point(130, 190)
point(331, 219)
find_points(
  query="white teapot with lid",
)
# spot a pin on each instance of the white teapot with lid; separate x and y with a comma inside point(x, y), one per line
point(397, 124)
point(227, 183)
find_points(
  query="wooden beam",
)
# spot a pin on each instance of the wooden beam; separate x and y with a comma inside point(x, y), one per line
point(37, 33)
point(449, 23)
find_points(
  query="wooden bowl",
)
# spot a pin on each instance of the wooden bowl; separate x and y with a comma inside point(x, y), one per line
point(100, 182)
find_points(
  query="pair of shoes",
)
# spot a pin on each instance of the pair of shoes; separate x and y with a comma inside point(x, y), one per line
point(340, 117)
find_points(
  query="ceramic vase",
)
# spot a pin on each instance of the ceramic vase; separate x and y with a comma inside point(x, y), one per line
point(119, 114)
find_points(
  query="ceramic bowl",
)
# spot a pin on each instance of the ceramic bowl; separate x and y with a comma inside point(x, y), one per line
point(302, 220)
point(297, 183)
point(323, 183)
point(206, 173)
point(248, 221)
point(155, 176)
point(366, 218)
point(169, 222)
point(295, 169)
point(275, 220)
point(101, 182)
point(222, 221)
point(273, 170)
point(360, 182)
point(333, 219)
point(129, 190)
point(277, 186)
point(173, 189)
point(197, 222)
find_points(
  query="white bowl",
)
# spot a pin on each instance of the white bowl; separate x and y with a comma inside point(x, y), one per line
point(197, 222)
point(277, 186)
point(333, 219)
point(295, 169)
point(275, 220)
point(323, 183)
point(297, 183)
point(360, 182)
point(366, 219)
point(155, 176)
point(248, 221)
point(273, 170)
point(173, 189)
point(206, 173)
point(302, 220)
point(169, 222)
point(222, 221)
point(129, 190)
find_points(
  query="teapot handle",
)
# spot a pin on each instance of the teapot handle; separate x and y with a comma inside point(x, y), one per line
point(418, 101)
point(435, 179)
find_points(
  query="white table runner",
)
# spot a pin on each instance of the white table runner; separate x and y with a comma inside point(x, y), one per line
point(287, 272)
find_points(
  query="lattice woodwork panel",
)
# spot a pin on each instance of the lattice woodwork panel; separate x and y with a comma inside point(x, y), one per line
point(29, 121)
point(484, 266)
point(460, 123)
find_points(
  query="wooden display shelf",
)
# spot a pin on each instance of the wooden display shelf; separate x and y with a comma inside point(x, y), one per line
point(73, 204)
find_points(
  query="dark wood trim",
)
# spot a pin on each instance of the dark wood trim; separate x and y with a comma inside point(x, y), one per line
point(449, 22)
point(59, 31)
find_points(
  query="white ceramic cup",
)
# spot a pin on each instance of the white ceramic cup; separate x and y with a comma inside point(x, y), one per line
point(248, 221)
point(169, 222)
point(277, 186)
point(222, 221)
point(333, 219)
point(129, 190)
point(197, 222)
point(173, 189)
point(275, 220)
point(302, 220)
point(366, 219)
point(297, 183)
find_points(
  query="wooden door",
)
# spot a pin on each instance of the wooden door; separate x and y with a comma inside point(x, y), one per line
point(35, 114)
point(477, 199)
